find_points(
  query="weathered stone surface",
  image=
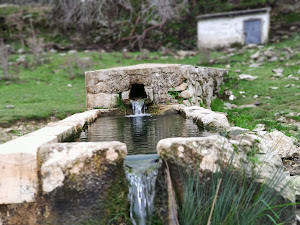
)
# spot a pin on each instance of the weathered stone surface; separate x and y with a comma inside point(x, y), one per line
point(206, 153)
point(181, 87)
point(214, 152)
point(234, 131)
point(185, 94)
point(18, 176)
point(281, 144)
point(103, 85)
point(247, 77)
point(18, 172)
point(80, 182)
point(102, 100)
point(63, 159)
point(206, 118)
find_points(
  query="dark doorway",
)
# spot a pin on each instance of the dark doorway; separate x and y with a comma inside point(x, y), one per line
point(252, 29)
point(137, 92)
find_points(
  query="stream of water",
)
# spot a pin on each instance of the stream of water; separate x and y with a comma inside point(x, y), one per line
point(141, 132)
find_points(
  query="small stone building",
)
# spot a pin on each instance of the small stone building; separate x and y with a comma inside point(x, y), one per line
point(224, 29)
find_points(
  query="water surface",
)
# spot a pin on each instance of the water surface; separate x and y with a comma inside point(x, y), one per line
point(141, 133)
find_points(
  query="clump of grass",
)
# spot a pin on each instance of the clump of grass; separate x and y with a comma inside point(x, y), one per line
point(238, 200)
point(4, 53)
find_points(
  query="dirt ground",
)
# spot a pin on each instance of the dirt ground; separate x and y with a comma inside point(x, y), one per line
point(20, 128)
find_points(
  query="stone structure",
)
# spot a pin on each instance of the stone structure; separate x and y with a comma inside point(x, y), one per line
point(243, 27)
point(18, 171)
point(155, 82)
point(78, 182)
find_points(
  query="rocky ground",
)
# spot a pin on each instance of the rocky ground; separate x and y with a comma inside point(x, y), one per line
point(20, 128)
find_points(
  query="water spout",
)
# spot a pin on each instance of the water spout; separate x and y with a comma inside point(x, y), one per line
point(138, 107)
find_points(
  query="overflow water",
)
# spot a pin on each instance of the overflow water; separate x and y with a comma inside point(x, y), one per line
point(141, 134)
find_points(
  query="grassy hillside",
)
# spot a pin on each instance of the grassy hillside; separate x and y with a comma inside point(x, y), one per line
point(56, 87)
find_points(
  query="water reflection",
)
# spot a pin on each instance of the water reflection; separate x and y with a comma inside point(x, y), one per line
point(141, 134)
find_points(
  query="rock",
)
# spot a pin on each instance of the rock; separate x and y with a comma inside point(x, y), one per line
point(9, 106)
point(228, 93)
point(150, 95)
point(204, 150)
point(21, 59)
point(290, 85)
point(69, 85)
point(255, 55)
point(181, 87)
point(72, 51)
point(57, 161)
point(213, 153)
point(293, 28)
point(259, 127)
point(20, 51)
point(206, 118)
point(282, 119)
point(261, 59)
point(242, 92)
point(183, 54)
point(231, 97)
point(270, 52)
point(246, 106)
point(247, 77)
point(185, 94)
point(78, 179)
point(227, 66)
point(102, 100)
point(281, 144)
point(53, 51)
point(234, 131)
point(237, 71)
point(125, 97)
point(254, 65)
point(273, 59)
point(255, 96)
point(278, 71)
point(186, 102)
point(299, 72)
point(273, 88)
point(229, 105)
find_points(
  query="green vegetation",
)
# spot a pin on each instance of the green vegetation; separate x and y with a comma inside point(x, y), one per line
point(238, 200)
point(42, 90)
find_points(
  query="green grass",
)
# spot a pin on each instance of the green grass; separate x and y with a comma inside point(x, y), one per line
point(239, 200)
point(42, 91)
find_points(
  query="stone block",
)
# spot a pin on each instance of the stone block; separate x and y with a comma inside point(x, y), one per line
point(101, 100)
point(18, 171)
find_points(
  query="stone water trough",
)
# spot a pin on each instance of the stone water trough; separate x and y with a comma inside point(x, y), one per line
point(45, 181)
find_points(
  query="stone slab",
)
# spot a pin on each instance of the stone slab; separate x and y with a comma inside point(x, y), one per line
point(18, 170)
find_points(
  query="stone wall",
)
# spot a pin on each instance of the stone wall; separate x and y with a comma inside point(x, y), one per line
point(194, 85)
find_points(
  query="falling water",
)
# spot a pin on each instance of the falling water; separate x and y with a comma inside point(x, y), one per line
point(138, 107)
point(141, 175)
point(141, 132)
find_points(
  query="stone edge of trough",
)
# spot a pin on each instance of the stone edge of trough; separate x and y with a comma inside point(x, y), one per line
point(18, 157)
point(272, 146)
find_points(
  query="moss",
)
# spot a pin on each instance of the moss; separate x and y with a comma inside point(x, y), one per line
point(117, 203)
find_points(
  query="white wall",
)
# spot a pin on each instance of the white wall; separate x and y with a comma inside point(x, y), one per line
point(222, 32)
